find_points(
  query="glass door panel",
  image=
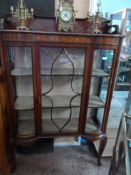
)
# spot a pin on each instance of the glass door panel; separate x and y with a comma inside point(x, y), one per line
point(20, 61)
point(61, 81)
point(102, 63)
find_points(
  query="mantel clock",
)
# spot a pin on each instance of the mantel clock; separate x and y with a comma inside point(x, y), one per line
point(65, 15)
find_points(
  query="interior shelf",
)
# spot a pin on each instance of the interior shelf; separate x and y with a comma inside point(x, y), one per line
point(26, 127)
point(92, 125)
point(58, 72)
point(47, 71)
point(21, 72)
point(123, 69)
point(95, 102)
point(72, 125)
point(24, 103)
point(99, 73)
point(124, 84)
point(59, 101)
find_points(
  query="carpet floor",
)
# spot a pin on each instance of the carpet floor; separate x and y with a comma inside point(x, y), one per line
point(73, 160)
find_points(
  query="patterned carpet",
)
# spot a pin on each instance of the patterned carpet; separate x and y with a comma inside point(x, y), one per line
point(73, 160)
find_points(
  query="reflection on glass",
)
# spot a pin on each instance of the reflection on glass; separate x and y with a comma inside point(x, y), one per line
point(102, 64)
point(61, 77)
point(20, 60)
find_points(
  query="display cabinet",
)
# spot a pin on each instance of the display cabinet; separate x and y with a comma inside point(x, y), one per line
point(55, 82)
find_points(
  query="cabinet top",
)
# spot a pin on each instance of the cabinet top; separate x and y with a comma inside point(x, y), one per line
point(45, 31)
point(82, 27)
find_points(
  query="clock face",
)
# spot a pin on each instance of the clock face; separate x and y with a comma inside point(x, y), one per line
point(66, 15)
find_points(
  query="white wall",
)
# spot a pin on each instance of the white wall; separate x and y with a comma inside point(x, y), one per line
point(93, 6)
point(81, 6)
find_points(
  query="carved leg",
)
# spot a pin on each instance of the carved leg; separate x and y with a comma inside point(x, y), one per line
point(102, 145)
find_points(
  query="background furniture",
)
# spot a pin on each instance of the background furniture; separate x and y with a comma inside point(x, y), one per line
point(121, 159)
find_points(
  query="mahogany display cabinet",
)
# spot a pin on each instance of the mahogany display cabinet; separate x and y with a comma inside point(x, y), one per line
point(54, 82)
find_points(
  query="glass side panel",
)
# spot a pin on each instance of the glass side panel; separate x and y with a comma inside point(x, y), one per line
point(102, 63)
point(123, 79)
point(20, 61)
point(62, 78)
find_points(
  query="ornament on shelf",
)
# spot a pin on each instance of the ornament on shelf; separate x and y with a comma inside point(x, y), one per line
point(97, 19)
point(65, 15)
point(22, 14)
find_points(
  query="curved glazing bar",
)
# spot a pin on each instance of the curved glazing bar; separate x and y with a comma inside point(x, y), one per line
point(62, 60)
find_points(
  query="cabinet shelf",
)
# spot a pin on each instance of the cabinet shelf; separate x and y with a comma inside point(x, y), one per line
point(99, 73)
point(26, 102)
point(95, 102)
point(47, 72)
point(21, 72)
point(124, 84)
point(26, 127)
point(58, 72)
point(123, 69)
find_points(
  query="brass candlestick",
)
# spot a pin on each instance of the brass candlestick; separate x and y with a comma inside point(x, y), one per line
point(97, 19)
point(22, 14)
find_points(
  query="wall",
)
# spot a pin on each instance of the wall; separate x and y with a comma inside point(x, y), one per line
point(81, 6)
point(42, 7)
point(4, 6)
point(45, 7)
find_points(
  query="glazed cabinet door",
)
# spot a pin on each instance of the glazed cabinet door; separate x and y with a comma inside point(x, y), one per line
point(101, 88)
point(21, 78)
point(61, 77)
